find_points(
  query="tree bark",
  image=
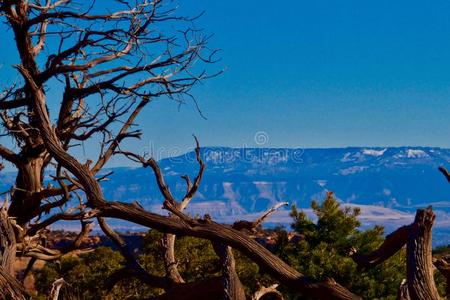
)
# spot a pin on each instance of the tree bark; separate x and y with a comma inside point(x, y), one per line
point(443, 265)
point(270, 290)
point(402, 293)
point(29, 181)
point(56, 288)
point(170, 261)
point(232, 286)
point(238, 240)
point(419, 260)
point(391, 245)
point(212, 231)
point(7, 242)
point(10, 287)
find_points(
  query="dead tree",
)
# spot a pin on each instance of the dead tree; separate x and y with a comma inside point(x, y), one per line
point(270, 290)
point(10, 287)
point(103, 68)
point(100, 69)
point(419, 262)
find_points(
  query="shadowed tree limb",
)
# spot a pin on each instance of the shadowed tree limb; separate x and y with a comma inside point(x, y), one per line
point(419, 261)
point(184, 225)
point(9, 285)
point(37, 251)
point(263, 291)
point(445, 173)
point(443, 265)
point(418, 239)
point(251, 226)
point(391, 245)
point(132, 268)
point(402, 293)
point(232, 286)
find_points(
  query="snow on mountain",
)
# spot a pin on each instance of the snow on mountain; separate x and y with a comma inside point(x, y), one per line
point(250, 180)
point(374, 152)
point(413, 153)
point(256, 178)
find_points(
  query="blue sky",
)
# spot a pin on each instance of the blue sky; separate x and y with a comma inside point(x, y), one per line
point(319, 74)
point(315, 74)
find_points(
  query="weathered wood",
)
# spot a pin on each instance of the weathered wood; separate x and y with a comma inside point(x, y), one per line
point(56, 145)
point(25, 197)
point(391, 245)
point(402, 293)
point(236, 239)
point(56, 288)
point(270, 290)
point(8, 245)
point(9, 285)
point(443, 265)
point(170, 261)
point(419, 261)
point(232, 286)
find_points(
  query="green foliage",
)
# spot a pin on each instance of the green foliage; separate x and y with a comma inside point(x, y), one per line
point(196, 257)
point(325, 244)
point(439, 252)
point(197, 260)
point(334, 224)
point(86, 274)
point(320, 250)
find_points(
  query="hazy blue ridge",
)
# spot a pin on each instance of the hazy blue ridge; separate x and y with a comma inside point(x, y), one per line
point(388, 183)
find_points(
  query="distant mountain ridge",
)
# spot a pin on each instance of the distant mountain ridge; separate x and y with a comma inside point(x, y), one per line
point(388, 183)
point(240, 182)
point(253, 179)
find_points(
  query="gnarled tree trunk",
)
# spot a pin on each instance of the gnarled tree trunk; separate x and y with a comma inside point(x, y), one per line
point(402, 293)
point(10, 287)
point(419, 260)
point(24, 200)
point(170, 261)
point(417, 236)
point(233, 288)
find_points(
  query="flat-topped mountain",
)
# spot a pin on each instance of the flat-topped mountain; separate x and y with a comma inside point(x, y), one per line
point(249, 180)
point(389, 183)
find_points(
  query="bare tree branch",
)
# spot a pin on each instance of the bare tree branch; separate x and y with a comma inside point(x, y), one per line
point(56, 287)
point(251, 226)
point(132, 267)
point(391, 245)
point(445, 173)
point(417, 237)
point(232, 285)
point(263, 291)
